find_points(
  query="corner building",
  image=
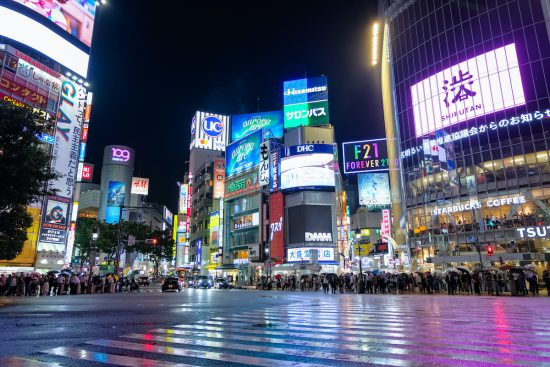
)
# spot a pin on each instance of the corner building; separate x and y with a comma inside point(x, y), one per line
point(470, 95)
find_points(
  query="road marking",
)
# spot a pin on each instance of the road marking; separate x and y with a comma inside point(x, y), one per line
point(216, 356)
point(24, 362)
point(112, 359)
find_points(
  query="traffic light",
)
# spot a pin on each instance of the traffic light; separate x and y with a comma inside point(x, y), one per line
point(490, 250)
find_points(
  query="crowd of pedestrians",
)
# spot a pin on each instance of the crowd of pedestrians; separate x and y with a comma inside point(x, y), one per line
point(515, 281)
point(64, 283)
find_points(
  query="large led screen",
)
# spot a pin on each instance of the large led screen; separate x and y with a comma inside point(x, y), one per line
point(481, 85)
point(243, 154)
point(308, 167)
point(305, 90)
point(306, 114)
point(374, 189)
point(76, 17)
point(28, 31)
point(271, 122)
point(365, 156)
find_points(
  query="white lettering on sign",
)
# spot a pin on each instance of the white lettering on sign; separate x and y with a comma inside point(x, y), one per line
point(304, 148)
point(304, 254)
point(121, 155)
point(456, 208)
point(276, 227)
point(533, 232)
point(506, 201)
point(318, 237)
point(294, 91)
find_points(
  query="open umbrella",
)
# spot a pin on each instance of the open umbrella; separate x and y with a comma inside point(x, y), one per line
point(451, 270)
point(464, 270)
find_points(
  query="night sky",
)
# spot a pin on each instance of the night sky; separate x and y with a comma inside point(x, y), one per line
point(155, 63)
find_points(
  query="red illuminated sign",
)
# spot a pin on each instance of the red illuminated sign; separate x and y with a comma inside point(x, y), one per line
point(276, 225)
point(27, 94)
point(87, 172)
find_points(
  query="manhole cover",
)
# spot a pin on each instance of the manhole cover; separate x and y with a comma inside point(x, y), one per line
point(265, 325)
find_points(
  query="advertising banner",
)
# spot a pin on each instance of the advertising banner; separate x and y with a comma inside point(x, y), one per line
point(140, 186)
point(243, 154)
point(120, 155)
point(34, 75)
point(263, 168)
point(481, 85)
point(270, 122)
point(305, 254)
point(116, 194)
point(168, 216)
point(374, 189)
point(28, 94)
point(276, 225)
point(219, 178)
point(385, 225)
point(308, 167)
point(209, 131)
point(67, 137)
point(214, 227)
point(275, 169)
point(87, 174)
point(75, 17)
point(241, 185)
point(55, 220)
point(305, 90)
point(366, 156)
point(112, 214)
point(309, 223)
point(182, 204)
point(306, 114)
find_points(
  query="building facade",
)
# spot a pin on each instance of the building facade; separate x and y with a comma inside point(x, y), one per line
point(471, 105)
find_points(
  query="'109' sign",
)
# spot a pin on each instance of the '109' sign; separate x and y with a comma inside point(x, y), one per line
point(365, 156)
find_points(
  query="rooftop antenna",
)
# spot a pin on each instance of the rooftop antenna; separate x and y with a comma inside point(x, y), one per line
point(258, 104)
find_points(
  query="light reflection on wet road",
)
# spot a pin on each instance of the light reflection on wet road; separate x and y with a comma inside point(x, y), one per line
point(306, 329)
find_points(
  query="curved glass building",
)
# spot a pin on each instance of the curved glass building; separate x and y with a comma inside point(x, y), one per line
point(470, 85)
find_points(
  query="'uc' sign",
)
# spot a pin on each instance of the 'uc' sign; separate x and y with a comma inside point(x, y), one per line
point(212, 126)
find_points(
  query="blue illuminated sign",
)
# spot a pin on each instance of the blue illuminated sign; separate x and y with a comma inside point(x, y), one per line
point(212, 126)
point(305, 90)
point(307, 149)
point(46, 138)
point(271, 122)
point(243, 154)
point(82, 152)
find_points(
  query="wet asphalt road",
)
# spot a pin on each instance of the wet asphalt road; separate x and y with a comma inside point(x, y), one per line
point(240, 327)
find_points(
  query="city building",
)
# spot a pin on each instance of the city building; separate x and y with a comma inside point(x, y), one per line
point(466, 95)
point(43, 65)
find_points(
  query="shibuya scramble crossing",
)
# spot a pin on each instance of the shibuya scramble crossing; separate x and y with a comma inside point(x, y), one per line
point(374, 190)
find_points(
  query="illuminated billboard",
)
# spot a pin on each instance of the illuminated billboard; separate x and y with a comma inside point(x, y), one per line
point(306, 114)
point(30, 32)
point(209, 131)
point(487, 83)
point(305, 254)
point(365, 156)
point(67, 137)
point(308, 167)
point(182, 204)
point(55, 220)
point(276, 225)
point(219, 178)
point(140, 186)
point(75, 17)
point(305, 90)
point(271, 122)
point(214, 227)
point(116, 194)
point(374, 189)
point(243, 154)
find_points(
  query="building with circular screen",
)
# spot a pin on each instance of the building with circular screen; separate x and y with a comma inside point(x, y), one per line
point(470, 89)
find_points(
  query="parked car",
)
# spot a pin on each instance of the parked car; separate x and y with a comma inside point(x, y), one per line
point(222, 283)
point(203, 281)
point(171, 284)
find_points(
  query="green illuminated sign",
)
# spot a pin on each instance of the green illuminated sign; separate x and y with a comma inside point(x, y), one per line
point(306, 114)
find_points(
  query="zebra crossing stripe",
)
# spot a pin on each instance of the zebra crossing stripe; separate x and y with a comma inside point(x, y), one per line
point(366, 326)
point(216, 356)
point(376, 355)
point(112, 359)
point(24, 362)
point(382, 343)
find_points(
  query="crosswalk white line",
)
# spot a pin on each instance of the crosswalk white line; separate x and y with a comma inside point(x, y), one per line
point(357, 344)
point(375, 354)
point(113, 359)
point(216, 356)
point(25, 362)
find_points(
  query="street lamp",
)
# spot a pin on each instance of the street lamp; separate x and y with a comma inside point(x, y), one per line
point(268, 262)
point(357, 238)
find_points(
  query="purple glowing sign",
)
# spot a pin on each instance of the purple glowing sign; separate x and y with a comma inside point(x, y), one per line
point(481, 85)
point(121, 155)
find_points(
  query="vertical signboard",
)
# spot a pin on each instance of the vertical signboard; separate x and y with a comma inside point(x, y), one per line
point(214, 228)
point(184, 191)
point(385, 225)
point(219, 178)
point(55, 220)
point(274, 167)
point(115, 199)
point(264, 163)
point(276, 225)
